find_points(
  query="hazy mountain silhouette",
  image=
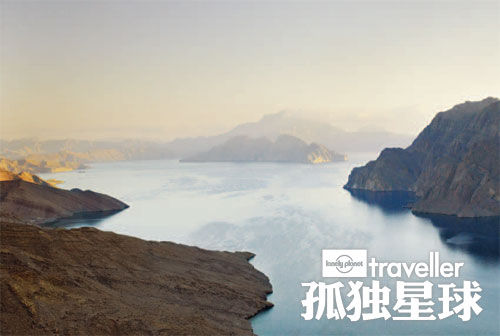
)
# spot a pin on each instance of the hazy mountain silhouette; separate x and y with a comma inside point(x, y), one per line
point(269, 126)
point(285, 148)
point(273, 125)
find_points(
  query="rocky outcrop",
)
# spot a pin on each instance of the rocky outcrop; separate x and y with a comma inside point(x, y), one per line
point(89, 282)
point(41, 203)
point(25, 176)
point(286, 148)
point(57, 155)
point(47, 163)
point(452, 166)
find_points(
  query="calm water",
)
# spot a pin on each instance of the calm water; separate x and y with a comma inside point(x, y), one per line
point(287, 213)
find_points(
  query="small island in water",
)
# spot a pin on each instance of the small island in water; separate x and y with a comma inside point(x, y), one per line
point(285, 148)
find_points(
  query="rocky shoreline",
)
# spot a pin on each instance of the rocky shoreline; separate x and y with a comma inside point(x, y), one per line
point(451, 167)
point(40, 203)
point(90, 282)
point(86, 281)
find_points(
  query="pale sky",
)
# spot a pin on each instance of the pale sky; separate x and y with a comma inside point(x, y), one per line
point(163, 69)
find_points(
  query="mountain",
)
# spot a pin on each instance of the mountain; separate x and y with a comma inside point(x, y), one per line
point(6, 175)
point(90, 282)
point(36, 156)
point(44, 163)
point(65, 154)
point(285, 148)
point(84, 150)
point(37, 202)
point(452, 166)
point(271, 126)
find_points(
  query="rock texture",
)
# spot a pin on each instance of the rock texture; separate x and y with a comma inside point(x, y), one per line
point(89, 282)
point(40, 203)
point(25, 176)
point(37, 163)
point(286, 148)
point(70, 153)
point(452, 166)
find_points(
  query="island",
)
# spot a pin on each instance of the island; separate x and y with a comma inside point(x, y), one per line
point(451, 167)
point(285, 148)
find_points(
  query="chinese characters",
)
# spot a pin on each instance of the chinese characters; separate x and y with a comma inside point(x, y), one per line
point(414, 301)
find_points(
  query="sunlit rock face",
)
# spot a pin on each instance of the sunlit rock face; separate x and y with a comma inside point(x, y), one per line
point(44, 163)
point(24, 176)
point(286, 148)
point(452, 166)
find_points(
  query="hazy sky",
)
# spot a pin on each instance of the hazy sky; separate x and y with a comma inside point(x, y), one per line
point(165, 69)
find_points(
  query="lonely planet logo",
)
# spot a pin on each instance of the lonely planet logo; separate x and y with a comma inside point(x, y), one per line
point(344, 263)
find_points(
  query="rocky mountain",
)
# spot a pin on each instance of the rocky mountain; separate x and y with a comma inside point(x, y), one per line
point(54, 156)
point(285, 148)
point(452, 166)
point(271, 126)
point(28, 198)
point(89, 282)
point(84, 150)
point(44, 163)
point(24, 176)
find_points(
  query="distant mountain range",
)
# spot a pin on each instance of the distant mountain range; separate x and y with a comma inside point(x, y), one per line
point(311, 131)
point(270, 126)
point(285, 148)
point(84, 150)
point(452, 166)
point(44, 163)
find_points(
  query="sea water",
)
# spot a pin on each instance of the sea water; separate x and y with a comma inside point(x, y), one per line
point(286, 214)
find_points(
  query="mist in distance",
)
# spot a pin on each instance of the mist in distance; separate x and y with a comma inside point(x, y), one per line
point(163, 70)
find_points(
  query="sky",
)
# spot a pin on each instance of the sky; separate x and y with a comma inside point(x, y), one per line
point(165, 69)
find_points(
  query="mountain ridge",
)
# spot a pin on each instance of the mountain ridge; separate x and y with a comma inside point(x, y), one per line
point(269, 125)
point(285, 148)
point(37, 202)
point(452, 165)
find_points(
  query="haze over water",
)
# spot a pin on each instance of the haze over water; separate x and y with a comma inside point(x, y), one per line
point(285, 214)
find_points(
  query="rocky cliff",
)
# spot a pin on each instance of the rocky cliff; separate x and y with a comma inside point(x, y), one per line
point(37, 202)
point(286, 148)
point(452, 166)
point(25, 176)
point(89, 282)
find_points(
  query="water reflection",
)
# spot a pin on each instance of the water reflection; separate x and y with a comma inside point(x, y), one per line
point(390, 202)
point(480, 237)
point(79, 220)
point(286, 214)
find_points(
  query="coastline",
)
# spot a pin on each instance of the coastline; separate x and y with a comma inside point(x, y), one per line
point(124, 284)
